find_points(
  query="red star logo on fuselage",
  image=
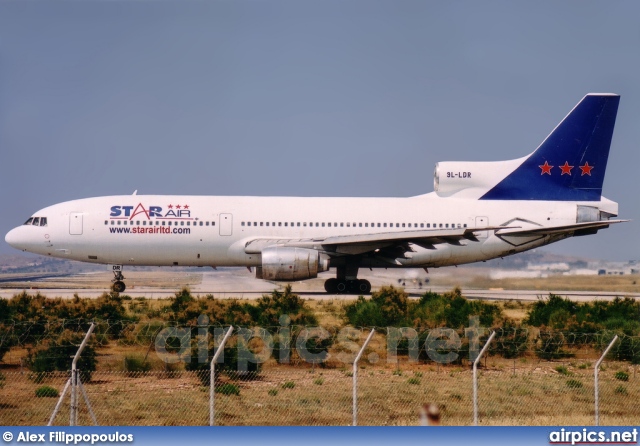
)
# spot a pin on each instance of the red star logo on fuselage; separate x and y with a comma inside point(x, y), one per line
point(546, 168)
point(566, 168)
point(170, 206)
point(586, 169)
point(186, 206)
point(140, 209)
point(178, 206)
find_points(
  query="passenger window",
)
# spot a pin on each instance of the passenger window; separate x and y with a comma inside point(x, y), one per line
point(378, 224)
point(348, 225)
point(213, 223)
point(279, 223)
point(119, 222)
point(267, 223)
point(464, 225)
point(384, 224)
point(260, 223)
point(303, 224)
point(342, 225)
point(360, 225)
point(113, 222)
point(447, 225)
point(397, 225)
point(409, 225)
point(366, 225)
point(317, 224)
point(440, 224)
point(286, 224)
point(106, 222)
point(242, 224)
point(188, 223)
point(323, 224)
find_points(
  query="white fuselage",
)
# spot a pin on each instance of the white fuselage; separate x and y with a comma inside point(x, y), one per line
point(162, 230)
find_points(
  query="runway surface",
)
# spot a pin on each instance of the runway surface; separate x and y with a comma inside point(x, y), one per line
point(237, 283)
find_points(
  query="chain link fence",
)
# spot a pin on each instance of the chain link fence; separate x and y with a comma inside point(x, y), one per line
point(526, 378)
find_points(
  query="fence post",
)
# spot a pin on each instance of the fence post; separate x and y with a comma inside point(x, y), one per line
point(355, 377)
point(475, 378)
point(595, 378)
point(212, 374)
point(73, 413)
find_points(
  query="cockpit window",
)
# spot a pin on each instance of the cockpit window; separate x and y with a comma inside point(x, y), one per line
point(36, 221)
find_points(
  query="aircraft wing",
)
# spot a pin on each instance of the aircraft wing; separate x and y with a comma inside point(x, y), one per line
point(363, 243)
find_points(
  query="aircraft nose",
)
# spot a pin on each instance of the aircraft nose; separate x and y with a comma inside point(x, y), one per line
point(15, 238)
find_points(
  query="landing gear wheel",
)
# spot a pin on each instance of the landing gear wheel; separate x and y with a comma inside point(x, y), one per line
point(364, 286)
point(341, 286)
point(331, 286)
point(118, 286)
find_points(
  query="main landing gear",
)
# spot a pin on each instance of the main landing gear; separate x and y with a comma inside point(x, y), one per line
point(118, 284)
point(347, 282)
point(337, 286)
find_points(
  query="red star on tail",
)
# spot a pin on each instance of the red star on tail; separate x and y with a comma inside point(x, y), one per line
point(546, 168)
point(566, 168)
point(586, 169)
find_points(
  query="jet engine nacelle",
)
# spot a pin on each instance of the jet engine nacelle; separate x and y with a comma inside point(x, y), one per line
point(283, 263)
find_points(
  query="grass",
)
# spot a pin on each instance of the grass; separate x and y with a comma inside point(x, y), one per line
point(150, 399)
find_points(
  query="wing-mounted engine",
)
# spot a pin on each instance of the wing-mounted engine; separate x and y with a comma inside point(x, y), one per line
point(451, 177)
point(289, 263)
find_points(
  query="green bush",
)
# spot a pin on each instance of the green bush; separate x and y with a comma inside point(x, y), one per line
point(46, 392)
point(228, 389)
point(574, 384)
point(622, 390)
point(273, 392)
point(135, 364)
point(563, 370)
point(58, 355)
point(288, 385)
point(414, 380)
point(622, 376)
point(318, 381)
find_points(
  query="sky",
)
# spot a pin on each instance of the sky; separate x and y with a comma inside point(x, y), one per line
point(305, 98)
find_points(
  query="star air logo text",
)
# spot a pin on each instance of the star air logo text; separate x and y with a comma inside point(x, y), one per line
point(177, 211)
point(565, 169)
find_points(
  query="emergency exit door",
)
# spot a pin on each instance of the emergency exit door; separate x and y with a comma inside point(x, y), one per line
point(75, 223)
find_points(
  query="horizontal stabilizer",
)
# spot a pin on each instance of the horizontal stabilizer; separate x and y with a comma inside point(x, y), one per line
point(554, 230)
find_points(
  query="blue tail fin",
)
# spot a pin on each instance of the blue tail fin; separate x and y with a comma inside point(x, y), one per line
point(570, 163)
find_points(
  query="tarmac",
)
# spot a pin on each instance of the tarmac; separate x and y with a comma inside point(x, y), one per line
point(239, 283)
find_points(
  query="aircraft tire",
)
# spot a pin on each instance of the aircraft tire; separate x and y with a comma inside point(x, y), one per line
point(341, 286)
point(331, 286)
point(364, 286)
point(118, 286)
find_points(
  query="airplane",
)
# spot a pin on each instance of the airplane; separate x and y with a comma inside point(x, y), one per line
point(477, 211)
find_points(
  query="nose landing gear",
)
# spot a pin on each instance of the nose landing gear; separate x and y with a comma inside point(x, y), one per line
point(118, 285)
